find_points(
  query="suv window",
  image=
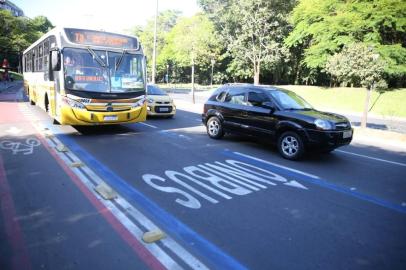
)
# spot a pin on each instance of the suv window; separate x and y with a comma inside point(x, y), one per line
point(256, 98)
point(235, 96)
point(221, 96)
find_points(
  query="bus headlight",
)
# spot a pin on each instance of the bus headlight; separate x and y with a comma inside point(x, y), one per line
point(139, 103)
point(73, 103)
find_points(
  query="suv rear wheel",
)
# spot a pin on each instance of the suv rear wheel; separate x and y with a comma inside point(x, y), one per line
point(290, 145)
point(214, 128)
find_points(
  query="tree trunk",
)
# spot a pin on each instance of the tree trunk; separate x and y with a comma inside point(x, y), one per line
point(257, 70)
point(366, 106)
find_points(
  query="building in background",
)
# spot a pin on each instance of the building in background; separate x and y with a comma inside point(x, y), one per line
point(8, 5)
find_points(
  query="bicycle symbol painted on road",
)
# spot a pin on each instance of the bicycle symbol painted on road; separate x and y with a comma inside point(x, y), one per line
point(26, 148)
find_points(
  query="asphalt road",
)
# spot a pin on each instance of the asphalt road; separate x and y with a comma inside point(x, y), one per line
point(223, 204)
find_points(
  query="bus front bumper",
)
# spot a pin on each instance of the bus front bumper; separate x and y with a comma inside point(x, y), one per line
point(73, 116)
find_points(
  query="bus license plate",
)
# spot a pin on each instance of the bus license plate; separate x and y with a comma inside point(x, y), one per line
point(110, 118)
point(347, 134)
point(163, 109)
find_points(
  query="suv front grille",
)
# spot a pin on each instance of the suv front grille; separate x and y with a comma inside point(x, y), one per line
point(342, 125)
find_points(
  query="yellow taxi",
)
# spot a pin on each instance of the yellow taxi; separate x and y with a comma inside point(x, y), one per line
point(159, 103)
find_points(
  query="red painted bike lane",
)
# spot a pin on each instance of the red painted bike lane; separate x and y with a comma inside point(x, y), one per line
point(48, 218)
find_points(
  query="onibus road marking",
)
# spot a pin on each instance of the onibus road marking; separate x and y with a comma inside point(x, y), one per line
point(216, 181)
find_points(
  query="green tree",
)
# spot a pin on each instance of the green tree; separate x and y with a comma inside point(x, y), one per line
point(253, 31)
point(323, 27)
point(17, 33)
point(166, 21)
point(192, 42)
point(360, 64)
point(42, 24)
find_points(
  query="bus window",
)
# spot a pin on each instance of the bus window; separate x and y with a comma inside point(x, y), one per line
point(103, 71)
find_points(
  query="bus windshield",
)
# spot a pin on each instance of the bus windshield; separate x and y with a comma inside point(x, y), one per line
point(102, 71)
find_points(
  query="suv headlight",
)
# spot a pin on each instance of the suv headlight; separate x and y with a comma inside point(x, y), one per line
point(323, 124)
point(73, 103)
point(150, 100)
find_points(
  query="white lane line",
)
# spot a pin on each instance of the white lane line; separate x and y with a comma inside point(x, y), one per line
point(277, 165)
point(373, 158)
point(148, 125)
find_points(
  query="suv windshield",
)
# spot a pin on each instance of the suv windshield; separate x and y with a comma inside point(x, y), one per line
point(289, 100)
point(103, 71)
point(155, 90)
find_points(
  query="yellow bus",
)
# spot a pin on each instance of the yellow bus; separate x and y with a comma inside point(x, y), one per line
point(87, 77)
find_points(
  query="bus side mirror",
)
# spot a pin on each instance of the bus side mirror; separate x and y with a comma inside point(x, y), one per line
point(54, 62)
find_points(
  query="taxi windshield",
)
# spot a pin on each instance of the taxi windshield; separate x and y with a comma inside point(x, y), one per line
point(103, 71)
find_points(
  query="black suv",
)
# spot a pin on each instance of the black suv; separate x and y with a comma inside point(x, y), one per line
point(274, 113)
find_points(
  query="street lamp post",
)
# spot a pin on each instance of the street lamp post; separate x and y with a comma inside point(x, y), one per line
point(154, 49)
point(212, 68)
point(364, 120)
point(167, 74)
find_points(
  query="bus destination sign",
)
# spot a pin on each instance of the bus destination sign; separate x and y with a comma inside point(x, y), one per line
point(102, 39)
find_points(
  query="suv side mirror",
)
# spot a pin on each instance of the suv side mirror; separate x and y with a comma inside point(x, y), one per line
point(268, 105)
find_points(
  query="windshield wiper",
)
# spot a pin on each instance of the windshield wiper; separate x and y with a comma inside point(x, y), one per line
point(297, 109)
point(120, 60)
point(95, 56)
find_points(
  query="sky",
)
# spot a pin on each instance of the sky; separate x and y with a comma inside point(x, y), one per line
point(116, 15)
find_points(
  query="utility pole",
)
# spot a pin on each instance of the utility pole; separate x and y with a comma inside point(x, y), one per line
point(212, 67)
point(167, 75)
point(193, 78)
point(154, 50)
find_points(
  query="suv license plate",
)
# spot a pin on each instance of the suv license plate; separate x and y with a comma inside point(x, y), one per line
point(110, 118)
point(347, 134)
point(163, 109)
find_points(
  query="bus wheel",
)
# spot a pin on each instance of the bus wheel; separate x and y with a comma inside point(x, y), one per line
point(46, 103)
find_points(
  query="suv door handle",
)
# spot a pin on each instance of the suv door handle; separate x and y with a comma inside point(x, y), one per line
point(245, 114)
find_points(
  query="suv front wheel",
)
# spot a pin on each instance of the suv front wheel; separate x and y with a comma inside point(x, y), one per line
point(214, 128)
point(290, 145)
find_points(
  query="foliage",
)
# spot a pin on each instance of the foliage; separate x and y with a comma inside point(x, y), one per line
point(18, 33)
point(323, 27)
point(191, 41)
point(357, 64)
point(166, 21)
point(253, 31)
